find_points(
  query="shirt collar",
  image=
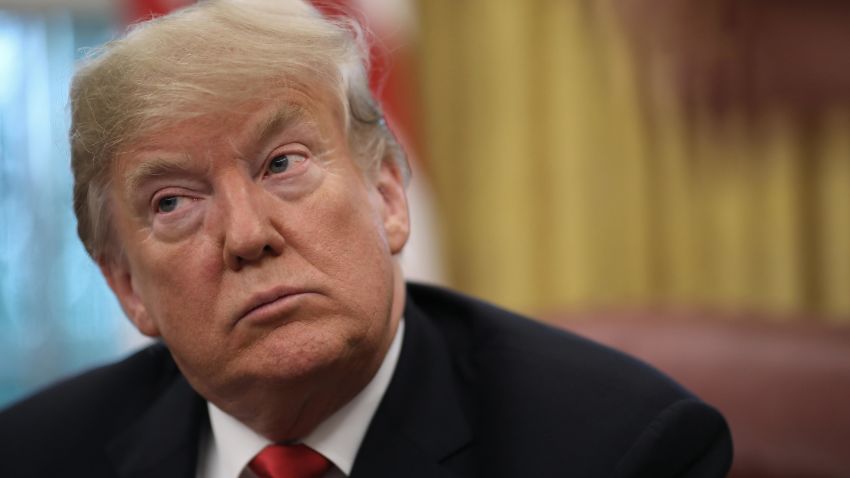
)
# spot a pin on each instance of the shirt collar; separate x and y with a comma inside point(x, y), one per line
point(232, 445)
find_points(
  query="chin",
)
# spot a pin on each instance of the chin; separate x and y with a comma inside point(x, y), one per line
point(296, 352)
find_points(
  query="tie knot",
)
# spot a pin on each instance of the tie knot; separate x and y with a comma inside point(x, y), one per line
point(289, 461)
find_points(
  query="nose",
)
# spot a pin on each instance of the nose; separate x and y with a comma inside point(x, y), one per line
point(250, 233)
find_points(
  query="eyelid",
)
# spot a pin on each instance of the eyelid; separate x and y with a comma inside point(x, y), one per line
point(167, 193)
point(291, 150)
point(154, 204)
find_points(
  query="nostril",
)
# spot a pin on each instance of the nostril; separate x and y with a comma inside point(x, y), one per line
point(241, 260)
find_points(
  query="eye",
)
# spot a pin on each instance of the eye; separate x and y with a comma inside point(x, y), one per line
point(283, 162)
point(279, 164)
point(167, 204)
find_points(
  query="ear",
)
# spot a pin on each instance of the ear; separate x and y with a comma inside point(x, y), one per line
point(396, 217)
point(120, 280)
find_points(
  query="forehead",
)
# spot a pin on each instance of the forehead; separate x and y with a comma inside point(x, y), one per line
point(278, 107)
point(242, 126)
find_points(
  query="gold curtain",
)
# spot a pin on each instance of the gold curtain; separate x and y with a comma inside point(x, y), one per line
point(561, 188)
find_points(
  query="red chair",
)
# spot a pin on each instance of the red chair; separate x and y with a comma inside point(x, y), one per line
point(783, 387)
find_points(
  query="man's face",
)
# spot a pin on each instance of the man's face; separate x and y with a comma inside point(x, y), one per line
point(257, 249)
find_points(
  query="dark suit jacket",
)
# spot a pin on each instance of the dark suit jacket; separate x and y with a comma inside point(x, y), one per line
point(477, 392)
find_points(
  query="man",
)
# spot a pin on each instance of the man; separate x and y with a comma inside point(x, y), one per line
point(245, 201)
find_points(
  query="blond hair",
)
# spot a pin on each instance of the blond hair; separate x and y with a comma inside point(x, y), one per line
point(211, 57)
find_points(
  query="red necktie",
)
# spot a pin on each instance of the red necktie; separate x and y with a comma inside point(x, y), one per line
point(289, 461)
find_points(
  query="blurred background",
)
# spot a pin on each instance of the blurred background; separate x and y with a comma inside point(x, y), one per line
point(669, 177)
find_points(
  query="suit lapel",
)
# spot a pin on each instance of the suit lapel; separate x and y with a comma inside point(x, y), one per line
point(164, 441)
point(420, 424)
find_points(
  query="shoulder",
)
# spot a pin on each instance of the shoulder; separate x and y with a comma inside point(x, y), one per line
point(84, 412)
point(572, 399)
point(527, 352)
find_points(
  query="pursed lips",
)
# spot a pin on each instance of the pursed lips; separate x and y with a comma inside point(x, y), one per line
point(264, 299)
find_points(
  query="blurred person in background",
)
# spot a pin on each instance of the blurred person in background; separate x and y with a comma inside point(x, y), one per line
point(239, 189)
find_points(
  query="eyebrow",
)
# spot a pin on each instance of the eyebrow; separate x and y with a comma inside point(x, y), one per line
point(282, 119)
point(157, 166)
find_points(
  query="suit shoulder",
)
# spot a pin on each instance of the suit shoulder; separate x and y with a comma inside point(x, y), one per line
point(524, 350)
point(573, 400)
point(92, 404)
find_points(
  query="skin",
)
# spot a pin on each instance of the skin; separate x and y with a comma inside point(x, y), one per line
point(272, 281)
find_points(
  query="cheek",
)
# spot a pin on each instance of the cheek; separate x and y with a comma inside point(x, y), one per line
point(343, 239)
point(351, 232)
point(176, 284)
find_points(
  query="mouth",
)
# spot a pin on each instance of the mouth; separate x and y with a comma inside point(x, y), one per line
point(272, 304)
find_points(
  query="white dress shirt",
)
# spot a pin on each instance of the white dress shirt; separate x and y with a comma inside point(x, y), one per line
point(230, 446)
